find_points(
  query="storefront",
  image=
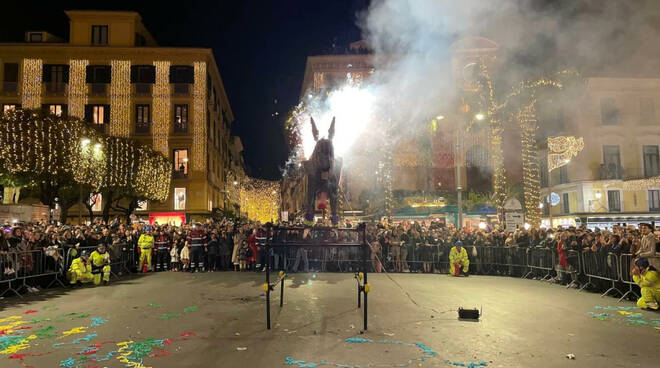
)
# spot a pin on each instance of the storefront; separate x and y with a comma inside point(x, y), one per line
point(172, 218)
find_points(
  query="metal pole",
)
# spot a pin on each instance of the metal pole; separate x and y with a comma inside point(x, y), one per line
point(358, 293)
point(282, 291)
point(268, 290)
point(365, 300)
point(459, 188)
point(365, 255)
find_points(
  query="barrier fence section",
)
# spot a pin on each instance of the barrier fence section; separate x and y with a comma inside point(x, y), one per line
point(23, 269)
point(574, 265)
point(625, 264)
point(540, 260)
point(9, 263)
point(603, 266)
point(19, 268)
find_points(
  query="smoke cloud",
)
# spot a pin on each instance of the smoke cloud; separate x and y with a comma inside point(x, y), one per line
point(413, 81)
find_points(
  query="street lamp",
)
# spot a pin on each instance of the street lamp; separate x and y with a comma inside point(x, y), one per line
point(480, 116)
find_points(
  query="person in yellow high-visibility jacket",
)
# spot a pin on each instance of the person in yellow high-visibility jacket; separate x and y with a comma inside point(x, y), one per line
point(458, 258)
point(100, 265)
point(648, 279)
point(146, 245)
point(80, 270)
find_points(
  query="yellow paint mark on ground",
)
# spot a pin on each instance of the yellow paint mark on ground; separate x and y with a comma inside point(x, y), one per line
point(22, 345)
point(10, 318)
point(75, 330)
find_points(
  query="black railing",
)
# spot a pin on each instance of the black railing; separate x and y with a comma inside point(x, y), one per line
point(98, 89)
point(142, 89)
point(9, 87)
point(180, 127)
point(611, 172)
point(55, 88)
point(181, 89)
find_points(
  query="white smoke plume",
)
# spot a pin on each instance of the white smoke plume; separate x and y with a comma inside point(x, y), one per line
point(411, 39)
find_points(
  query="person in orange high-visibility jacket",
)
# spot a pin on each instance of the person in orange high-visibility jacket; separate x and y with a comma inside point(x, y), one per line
point(458, 258)
point(146, 245)
point(648, 279)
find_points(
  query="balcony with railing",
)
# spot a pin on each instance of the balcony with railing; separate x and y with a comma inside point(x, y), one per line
point(9, 88)
point(142, 89)
point(53, 89)
point(179, 174)
point(180, 127)
point(98, 89)
point(99, 127)
point(181, 89)
point(142, 128)
point(612, 172)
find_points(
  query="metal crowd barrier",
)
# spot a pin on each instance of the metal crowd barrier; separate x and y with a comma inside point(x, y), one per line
point(40, 263)
point(542, 259)
point(10, 268)
point(31, 264)
point(625, 262)
point(595, 266)
point(574, 261)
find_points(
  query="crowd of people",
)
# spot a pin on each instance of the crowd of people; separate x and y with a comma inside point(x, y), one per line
point(89, 253)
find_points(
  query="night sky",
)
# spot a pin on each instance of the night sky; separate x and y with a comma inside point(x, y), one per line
point(260, 46)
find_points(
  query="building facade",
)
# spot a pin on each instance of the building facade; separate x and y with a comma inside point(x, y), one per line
point(604, 185)
point(112, 74)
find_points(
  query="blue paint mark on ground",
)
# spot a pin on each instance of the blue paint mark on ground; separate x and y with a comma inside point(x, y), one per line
point(358, 340)
point(299, 363)
point(469, 365)
point(68, 363)
point(97, 321)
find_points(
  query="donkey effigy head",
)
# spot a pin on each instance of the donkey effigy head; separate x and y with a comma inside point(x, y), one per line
point(323, 157)
point(323, 173)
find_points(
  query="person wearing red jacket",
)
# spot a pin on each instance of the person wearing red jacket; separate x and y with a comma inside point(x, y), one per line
point(196, 240)
point(162, 247)
point(254, 251)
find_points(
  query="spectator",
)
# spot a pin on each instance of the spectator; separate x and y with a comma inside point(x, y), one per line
point(647, 246)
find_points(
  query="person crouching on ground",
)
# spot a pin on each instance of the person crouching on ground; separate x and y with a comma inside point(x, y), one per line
point(648, 279)
point(458, 258)
point(100, 265)
point(81, 270)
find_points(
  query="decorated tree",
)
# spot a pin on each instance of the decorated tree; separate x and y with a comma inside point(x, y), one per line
point(52, 155)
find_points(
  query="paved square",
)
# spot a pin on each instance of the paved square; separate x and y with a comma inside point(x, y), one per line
point(218, 320)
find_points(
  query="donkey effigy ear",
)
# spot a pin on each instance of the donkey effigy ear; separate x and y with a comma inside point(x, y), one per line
point(331, 131)
point(315, 132)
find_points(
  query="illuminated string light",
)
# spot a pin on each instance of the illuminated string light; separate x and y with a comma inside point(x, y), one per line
point(77, 88)
point(31, 87)
point(562, 150)
point(199, 118)
point(161, 106)
point(642, 184)
point(260, 199)
point(495, 136)
point(45, 147)
point(120, 98)
point(531, 170)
